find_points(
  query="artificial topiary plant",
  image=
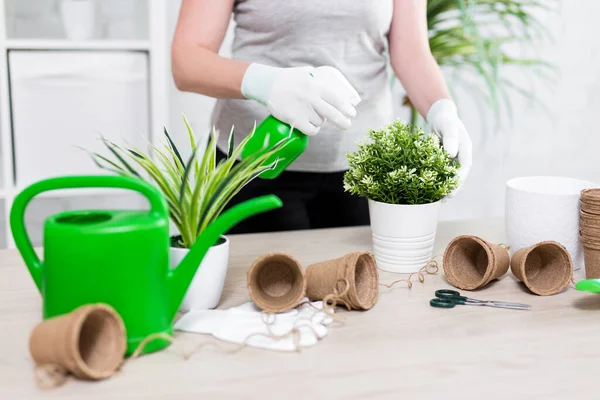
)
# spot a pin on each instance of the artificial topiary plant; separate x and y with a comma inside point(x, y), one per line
point(401, 165)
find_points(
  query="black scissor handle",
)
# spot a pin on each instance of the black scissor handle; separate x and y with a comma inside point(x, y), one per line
point(446, 293)
point(440, 302)
point(451, 295)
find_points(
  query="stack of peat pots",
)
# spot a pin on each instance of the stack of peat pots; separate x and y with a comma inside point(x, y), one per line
point(589, 231)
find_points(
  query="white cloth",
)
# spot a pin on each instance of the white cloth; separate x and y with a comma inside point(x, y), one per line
point(304, 97)
point(236, 324)
point(444, 121)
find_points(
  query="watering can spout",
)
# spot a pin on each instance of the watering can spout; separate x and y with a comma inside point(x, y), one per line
point(180, 278)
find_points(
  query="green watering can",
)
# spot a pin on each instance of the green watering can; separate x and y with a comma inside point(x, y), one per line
point(117, 257)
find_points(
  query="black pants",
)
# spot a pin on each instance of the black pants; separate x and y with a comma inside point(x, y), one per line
point(310, 201)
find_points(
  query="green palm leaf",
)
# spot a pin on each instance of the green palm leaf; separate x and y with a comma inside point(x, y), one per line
point(177, 157)
point(476, 35)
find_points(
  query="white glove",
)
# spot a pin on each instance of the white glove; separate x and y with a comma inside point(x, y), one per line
point(303, 97)
point(444, 121)
point(248, 324)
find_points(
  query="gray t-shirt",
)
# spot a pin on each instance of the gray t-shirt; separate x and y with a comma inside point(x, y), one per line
point(350, 35)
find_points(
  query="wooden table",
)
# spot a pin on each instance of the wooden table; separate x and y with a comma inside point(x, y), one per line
point(402, 348)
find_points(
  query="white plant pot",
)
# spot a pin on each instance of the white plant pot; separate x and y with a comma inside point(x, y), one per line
point(540, 208)
point(205, 289)
point(403, 235)
point(79, 18)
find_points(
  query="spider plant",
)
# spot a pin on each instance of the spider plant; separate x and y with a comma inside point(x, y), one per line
point(476, 35)
point(197, 189)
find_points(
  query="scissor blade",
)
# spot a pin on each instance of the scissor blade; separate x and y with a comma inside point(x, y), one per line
point(512, 306)
point(507, 303)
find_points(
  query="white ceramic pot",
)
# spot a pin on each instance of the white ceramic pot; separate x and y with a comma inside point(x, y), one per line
point(205, 289)
point(540, 208)
point(403, 235)
point(79, 18)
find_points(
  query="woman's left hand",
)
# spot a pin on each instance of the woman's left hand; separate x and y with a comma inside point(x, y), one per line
point(443, 119)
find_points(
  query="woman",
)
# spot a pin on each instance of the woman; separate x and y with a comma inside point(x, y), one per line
point(321, 67)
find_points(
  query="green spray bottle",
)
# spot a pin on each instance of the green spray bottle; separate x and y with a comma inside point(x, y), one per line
point(270, 132)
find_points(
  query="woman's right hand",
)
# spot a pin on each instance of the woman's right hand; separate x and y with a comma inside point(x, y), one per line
point(304, 97)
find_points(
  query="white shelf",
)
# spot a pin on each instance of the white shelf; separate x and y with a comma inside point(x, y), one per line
point(108, 44)
point(156, 52)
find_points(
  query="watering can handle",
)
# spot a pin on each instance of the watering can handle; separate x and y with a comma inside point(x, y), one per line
point(158, 205)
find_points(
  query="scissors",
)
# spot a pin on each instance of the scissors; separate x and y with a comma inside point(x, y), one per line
point(449, 298)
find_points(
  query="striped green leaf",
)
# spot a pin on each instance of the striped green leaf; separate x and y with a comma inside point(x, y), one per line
point(197, 191)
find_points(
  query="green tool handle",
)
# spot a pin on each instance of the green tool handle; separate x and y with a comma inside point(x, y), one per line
point(442, 303)
point(17, 214)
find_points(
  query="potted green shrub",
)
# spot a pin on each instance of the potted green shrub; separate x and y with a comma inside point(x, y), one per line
point(197, 191)
point(404, 173)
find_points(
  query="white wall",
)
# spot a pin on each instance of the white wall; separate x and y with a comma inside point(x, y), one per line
point(562, 141)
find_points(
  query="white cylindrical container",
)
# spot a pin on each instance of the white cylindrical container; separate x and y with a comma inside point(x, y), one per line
point(542, 208)
point(403, 235)
point(79, 18)
point(205, 289)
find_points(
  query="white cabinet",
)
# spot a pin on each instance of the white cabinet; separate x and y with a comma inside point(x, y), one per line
point(63, 101)
point(59, 95)
point(42, 19)
point(26, 19)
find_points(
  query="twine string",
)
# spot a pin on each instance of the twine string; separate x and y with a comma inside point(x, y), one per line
point(326, 310)
point(48, 376)
point(268, 318)
point(295, 333)
point(185, 354)
point(331, 301)
point(430, 268)
point(329, 304)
